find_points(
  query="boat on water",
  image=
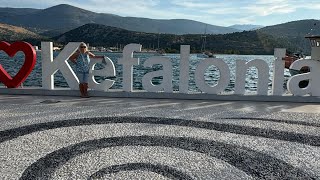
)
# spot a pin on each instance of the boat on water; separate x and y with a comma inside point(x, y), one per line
point(315, 55)
point(152, 52)
point(160, 52)
point(204, 53)
point(289, 59)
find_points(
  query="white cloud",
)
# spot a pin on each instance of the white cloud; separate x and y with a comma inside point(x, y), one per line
point(272, 7)
point(32, 3)
point(138, 8)
point(191, 4)
point(215, 12)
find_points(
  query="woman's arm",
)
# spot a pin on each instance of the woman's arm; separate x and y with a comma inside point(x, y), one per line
point(94, 56)
point(74, 57)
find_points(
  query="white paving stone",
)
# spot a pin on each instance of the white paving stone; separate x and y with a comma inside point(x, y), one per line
point(19, 153)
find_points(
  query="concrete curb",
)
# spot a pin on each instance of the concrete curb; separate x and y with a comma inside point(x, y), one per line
point(159, 95)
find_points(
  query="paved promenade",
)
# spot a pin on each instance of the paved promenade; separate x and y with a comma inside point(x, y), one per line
point(55, 137)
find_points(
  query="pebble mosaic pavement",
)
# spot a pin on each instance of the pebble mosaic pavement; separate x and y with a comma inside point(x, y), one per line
point(43, 137)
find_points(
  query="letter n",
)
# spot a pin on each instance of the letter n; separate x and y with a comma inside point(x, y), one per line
point(263, 75)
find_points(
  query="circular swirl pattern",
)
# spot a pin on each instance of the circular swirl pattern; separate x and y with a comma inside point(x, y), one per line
point(159, 169)
point(162, 148)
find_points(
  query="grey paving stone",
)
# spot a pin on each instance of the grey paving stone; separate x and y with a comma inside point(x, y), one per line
point(52, 137)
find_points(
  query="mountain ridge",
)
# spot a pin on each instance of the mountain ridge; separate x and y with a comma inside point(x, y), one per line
point(68, 17)
point(246, 27)
point(238, 42)
point(288, 35)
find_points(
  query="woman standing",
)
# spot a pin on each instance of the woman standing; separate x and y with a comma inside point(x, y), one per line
point(82, 60)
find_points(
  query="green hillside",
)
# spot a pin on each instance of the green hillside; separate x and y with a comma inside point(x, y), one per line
point(263, 41)
point(294, 32)
point(247, 42)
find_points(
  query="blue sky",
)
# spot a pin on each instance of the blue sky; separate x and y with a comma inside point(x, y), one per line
point(216, 12)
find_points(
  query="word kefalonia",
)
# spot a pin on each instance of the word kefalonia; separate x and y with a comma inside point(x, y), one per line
point(50, 66)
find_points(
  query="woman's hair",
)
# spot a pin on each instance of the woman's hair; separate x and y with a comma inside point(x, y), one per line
point(83, 44)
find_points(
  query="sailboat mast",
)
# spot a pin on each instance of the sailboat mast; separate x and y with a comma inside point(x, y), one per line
point(205, 38)
point(204, 41)
point(158, 40)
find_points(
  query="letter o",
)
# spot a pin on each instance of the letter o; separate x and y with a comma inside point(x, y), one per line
point(224, 77)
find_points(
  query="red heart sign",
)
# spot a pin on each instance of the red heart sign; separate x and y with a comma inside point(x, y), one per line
point(29, 62)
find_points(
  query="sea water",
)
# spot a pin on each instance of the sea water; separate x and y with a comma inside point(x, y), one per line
point(13, 65)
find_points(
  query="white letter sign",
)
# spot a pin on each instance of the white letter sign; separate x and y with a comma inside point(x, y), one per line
point(224, 75)
point(109, 70)
point(263, 74)
point(50, 66)
point(128, 62)
point(166, 73)
point(313, 76)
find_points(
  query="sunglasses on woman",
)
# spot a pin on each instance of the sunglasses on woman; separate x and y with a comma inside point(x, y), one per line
point(82, 46)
